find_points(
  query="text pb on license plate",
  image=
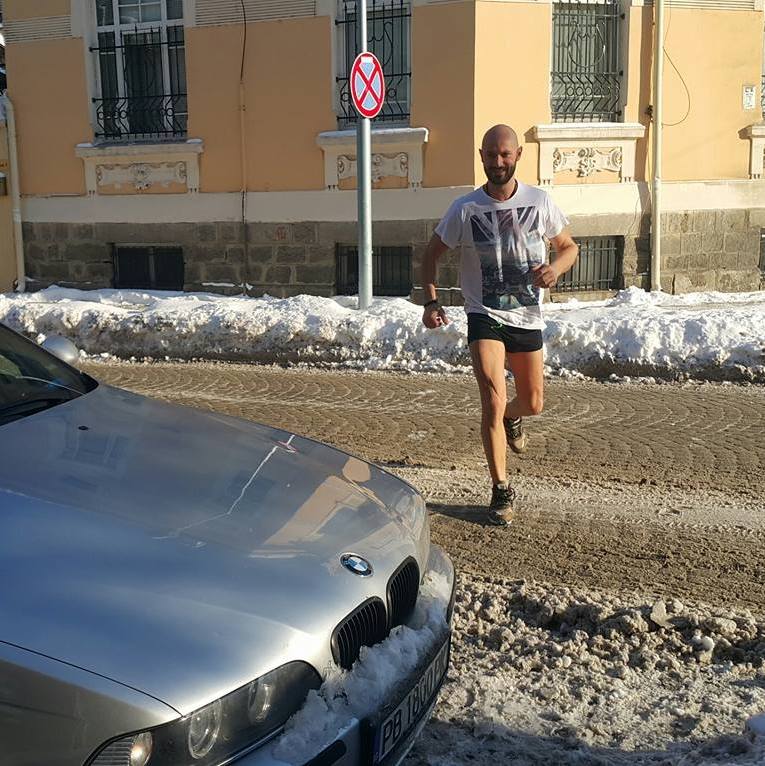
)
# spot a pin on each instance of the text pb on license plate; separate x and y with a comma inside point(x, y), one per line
point(395, 728)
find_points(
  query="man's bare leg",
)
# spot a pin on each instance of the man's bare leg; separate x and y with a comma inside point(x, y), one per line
point(528, 373)
point(489, 369)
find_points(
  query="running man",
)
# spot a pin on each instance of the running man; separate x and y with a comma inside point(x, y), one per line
point(501, 229)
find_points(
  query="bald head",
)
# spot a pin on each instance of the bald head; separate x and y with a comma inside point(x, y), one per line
point(500, 154)
point(500, 134)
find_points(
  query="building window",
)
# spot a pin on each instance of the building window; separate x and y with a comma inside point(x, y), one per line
point(599, 266)
point(762, 253)
point(388, 33)
point(141, 64)
point(391, 270)
point(586, 69)
point(143, 267)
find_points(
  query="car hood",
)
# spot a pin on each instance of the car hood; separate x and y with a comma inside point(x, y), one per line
point(184, 553)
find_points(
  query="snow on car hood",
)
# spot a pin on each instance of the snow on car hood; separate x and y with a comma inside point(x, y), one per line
point(182, 552)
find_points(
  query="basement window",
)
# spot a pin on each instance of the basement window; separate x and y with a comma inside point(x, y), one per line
point(599, 266)
point(147, 267)
point(391, 270)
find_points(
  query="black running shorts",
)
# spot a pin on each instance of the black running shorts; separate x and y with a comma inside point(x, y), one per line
point(482, 326)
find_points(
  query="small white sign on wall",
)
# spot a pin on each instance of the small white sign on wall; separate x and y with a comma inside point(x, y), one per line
point(750, 97)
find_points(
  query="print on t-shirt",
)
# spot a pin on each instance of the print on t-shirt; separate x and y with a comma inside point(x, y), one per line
point(508, 245)
point(501, 242)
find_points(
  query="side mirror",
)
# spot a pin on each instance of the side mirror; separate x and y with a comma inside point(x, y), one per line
point(63, 348)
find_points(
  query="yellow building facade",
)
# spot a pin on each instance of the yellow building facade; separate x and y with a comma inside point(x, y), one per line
point(184, 144)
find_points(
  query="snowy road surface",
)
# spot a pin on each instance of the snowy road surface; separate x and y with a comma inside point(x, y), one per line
point(622, 619)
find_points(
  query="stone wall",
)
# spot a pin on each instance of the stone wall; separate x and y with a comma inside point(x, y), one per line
point(281, 259)
point(701, 251)
point(711, 250)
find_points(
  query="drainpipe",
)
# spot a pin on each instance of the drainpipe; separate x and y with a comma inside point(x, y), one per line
point(243, 152)
point(18, 241)
point(658, 81)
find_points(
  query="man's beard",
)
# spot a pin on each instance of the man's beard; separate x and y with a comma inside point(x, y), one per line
point(500, 176)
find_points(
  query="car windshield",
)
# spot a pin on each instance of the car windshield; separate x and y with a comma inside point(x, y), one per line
point(32, 380)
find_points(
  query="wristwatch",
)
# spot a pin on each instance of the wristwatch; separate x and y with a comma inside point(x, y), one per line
point(434, 302)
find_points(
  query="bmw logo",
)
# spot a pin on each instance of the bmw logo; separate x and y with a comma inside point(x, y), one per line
point(356, 564)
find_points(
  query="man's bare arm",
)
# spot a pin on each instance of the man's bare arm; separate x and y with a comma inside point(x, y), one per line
point(433, 315)
point(566, 252)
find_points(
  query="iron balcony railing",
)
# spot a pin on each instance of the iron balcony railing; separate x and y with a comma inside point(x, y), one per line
point(388, 37)
point(391, 270)
point(599, 266)
point(586, 70)
point(143, 84)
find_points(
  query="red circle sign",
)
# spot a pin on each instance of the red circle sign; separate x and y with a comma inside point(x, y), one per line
point(367, 85)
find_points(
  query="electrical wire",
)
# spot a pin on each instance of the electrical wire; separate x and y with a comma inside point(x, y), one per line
point(244, 39)
point(687, 94)
point(672, 63)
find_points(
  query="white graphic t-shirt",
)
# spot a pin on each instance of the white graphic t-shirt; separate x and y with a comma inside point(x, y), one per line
point(501, 242)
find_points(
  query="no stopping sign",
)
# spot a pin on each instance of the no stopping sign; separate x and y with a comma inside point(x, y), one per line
point(367, 85)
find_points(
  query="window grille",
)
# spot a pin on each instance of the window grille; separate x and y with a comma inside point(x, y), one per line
point(143, 267)
point(141, 63)
point(391, 270)
point(599, 266)
point(388, 33)
point(586, 70)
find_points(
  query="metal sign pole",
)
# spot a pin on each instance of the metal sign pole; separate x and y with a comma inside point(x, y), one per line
point(364, 180)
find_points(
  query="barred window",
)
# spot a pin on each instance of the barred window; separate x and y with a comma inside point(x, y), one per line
point(587, 65)
point(141, 63)
point(599, 266)
point(145, 267)
point(391, 270)
point(388, 37)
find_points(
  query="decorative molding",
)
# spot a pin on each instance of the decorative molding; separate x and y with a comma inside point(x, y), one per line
point(396, 152)
point(588, 160)
point(383, 165)
point(43, 28)
point(141, 167)
point(142, 175)
point(217, 12)
point(587, 148)
point(756, 135)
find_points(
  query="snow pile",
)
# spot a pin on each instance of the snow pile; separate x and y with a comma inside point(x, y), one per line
point(716, 335)
point(638, 331)
point(368, 686)
point(546, 675)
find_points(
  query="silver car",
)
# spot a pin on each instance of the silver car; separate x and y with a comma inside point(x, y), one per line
point(176, 583)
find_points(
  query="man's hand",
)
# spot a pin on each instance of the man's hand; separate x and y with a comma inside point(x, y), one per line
point(544, 275)
point(434, 316)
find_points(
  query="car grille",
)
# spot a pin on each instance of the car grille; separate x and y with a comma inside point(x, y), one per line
point(403, 588)
point(365, 626)
point(370, 623)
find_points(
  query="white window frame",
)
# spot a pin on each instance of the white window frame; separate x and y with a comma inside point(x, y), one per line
point(118, 29)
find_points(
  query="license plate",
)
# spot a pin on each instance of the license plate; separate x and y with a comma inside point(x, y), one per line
point(399, 724)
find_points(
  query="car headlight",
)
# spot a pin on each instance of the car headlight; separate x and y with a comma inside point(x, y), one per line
point(224, 728)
